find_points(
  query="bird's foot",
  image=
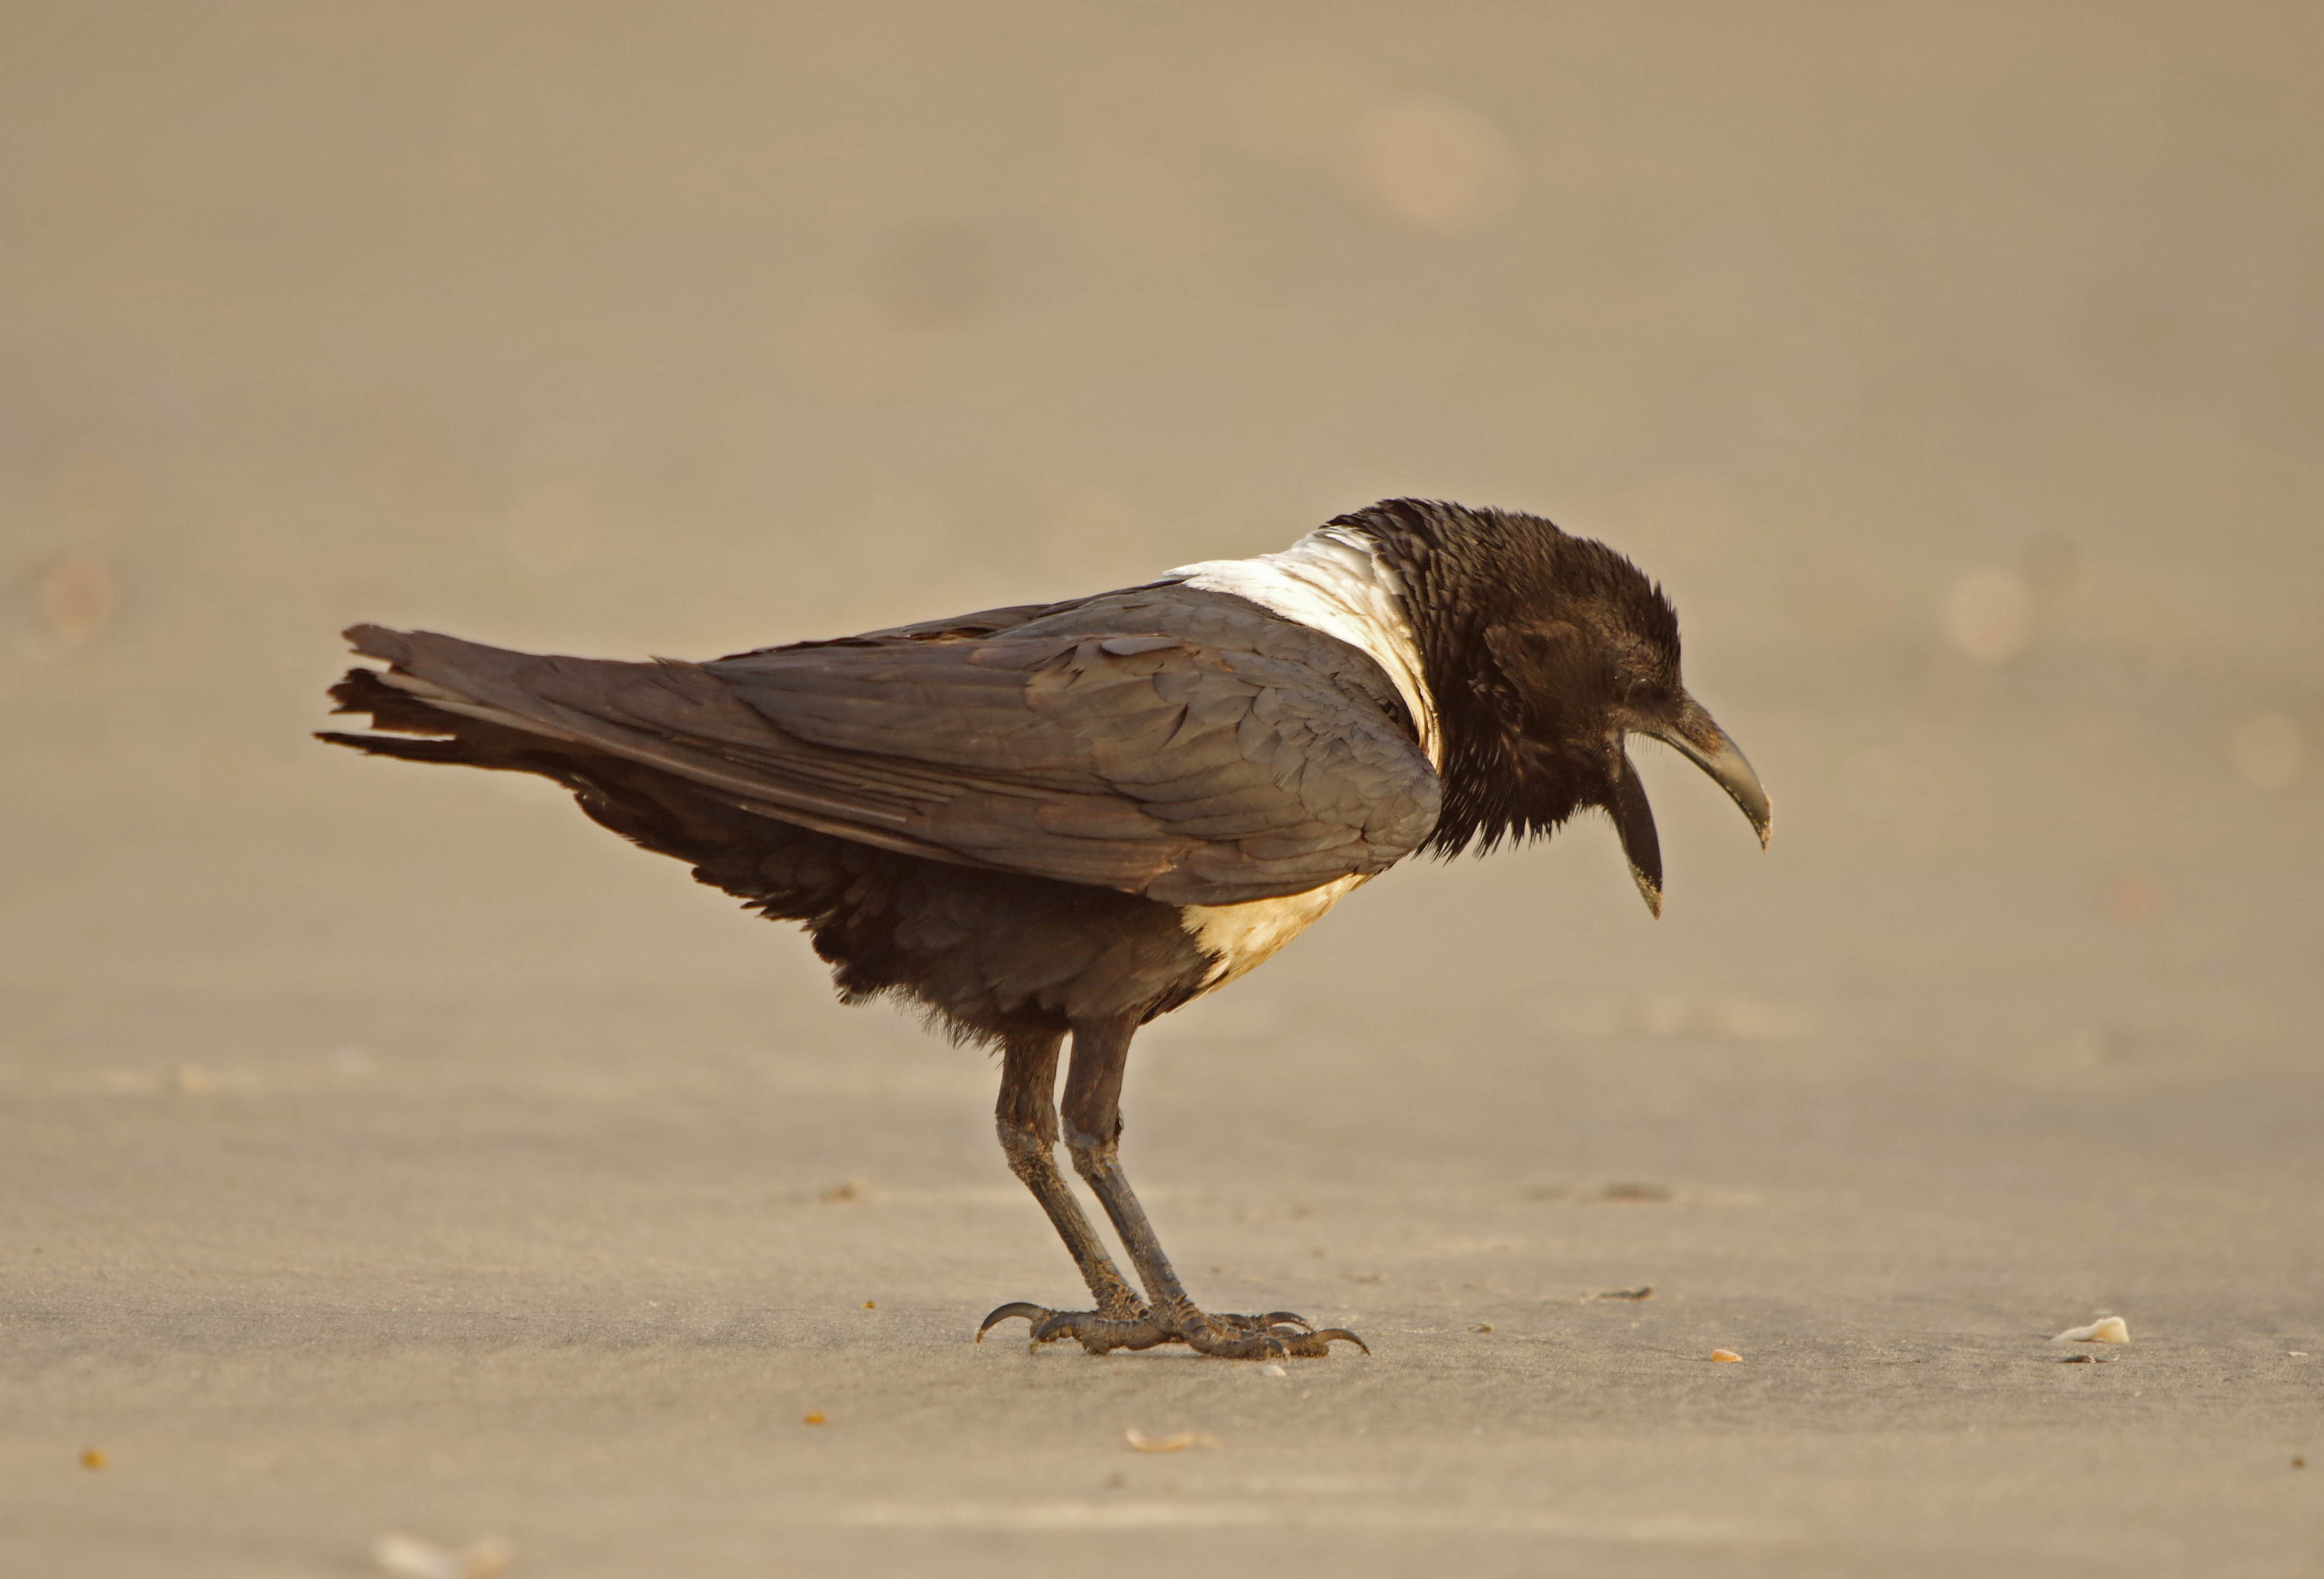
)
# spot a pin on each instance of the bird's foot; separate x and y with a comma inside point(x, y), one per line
point(1099, 1331)
point(1277, 1336)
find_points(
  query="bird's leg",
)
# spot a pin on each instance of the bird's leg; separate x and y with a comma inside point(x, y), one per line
point(1027, 1120)
point(1092, 1113)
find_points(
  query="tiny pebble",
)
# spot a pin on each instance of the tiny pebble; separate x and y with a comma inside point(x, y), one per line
point(1273, 1370)
point(814, 1418)
point(92, 1458)
point(411, 1556)
point(1176, 1442)
point(1482, 1326)
point(869, 1306)
point(1725, 1356)
point(2297, 1462)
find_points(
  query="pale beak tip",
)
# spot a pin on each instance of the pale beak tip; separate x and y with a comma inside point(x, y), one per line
point(1699, 738)
point(1651, 891)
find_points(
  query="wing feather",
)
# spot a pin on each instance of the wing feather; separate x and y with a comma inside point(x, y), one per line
point(1088, 743)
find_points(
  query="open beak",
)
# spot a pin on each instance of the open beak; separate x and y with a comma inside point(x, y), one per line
point(1702, 742)
point(1697, 737)
point(1634, 820)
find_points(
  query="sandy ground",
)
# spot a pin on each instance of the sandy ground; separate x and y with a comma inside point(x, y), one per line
point(525, 1242)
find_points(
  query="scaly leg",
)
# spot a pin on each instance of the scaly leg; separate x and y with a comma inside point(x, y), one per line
point(1027, 1120)
point(1092, 1113)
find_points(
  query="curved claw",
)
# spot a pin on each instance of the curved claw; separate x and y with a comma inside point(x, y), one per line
point(1036, 1316)
point(1054, 1325)
point(1315, 1345)
point(1272, 1316)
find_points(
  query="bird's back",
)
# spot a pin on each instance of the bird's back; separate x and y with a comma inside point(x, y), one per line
point(1024, 816)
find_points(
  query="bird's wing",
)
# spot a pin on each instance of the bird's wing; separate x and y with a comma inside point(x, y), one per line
point(1191, 769)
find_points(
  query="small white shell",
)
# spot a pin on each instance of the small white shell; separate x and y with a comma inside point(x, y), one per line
point(1178, 1441)
point(2111, 1329)
point(412, 1557)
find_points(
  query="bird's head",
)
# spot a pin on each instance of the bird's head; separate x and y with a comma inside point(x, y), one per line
point(1544, 654)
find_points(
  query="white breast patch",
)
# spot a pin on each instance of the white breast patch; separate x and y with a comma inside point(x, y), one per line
point(1240, 938)
point(1332, 581)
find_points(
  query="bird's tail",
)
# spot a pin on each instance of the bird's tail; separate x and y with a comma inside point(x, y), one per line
point(669, 731)
point(419, 733)
point(616, 733)
point(431, 704)
point(489, 707)
point(663, 740)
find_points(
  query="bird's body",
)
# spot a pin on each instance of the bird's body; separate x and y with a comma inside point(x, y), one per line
point(1070, 818)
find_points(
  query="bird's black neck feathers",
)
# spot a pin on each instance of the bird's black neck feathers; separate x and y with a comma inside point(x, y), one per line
point(1529, 638)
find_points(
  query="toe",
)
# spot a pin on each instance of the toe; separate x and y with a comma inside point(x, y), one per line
point(1059, 1324)
point(1208, 1336)
point(1101, 1334)
point(1315, 1345)
point(1261, 1324)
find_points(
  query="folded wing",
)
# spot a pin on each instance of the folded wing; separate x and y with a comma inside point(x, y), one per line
point(1211, 765)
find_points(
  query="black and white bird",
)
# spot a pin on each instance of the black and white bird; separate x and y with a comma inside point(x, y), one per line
point(1065, 820)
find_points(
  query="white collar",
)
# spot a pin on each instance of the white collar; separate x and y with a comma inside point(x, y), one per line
point(1334, 580)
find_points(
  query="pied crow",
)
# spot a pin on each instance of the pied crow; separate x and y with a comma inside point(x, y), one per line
point(1064, 819)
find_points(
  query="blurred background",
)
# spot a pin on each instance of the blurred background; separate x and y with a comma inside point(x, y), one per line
point(1960, 373)
point(1959, 370)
